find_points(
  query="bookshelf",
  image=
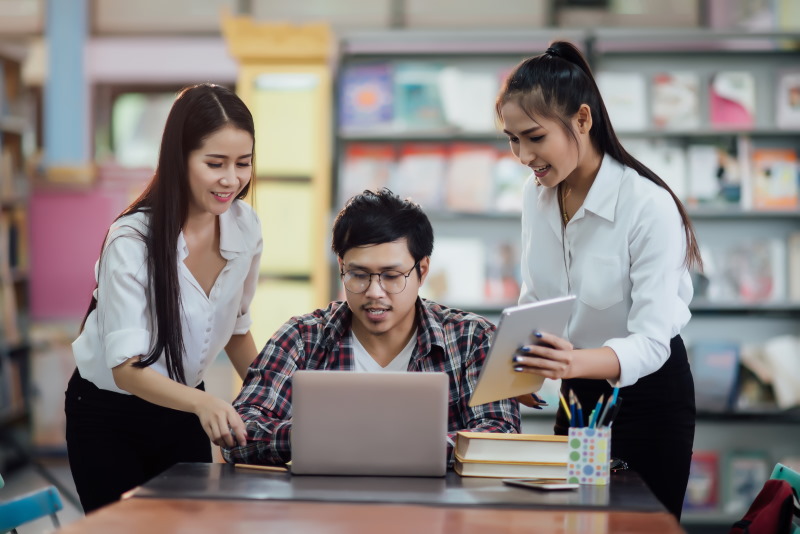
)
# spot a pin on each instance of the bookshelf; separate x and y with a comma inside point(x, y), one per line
point(374, 138)
point(286, 81)
point(16, 125)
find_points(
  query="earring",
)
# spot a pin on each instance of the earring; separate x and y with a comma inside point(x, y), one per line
point(536, 181)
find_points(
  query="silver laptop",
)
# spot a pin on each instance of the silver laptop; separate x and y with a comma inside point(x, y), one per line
point(352, 423)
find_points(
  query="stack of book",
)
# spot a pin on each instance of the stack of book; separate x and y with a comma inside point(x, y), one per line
point(480, 454)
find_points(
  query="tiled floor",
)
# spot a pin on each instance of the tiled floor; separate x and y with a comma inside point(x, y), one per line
point(36, 476)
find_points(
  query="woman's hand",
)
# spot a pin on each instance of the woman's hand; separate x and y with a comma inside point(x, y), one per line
point(532, 400)
point(549, 356)
point(221, 422)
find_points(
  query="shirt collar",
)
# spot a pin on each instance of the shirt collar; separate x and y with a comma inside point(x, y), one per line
point(429, 329)
point(231, 240)
point(604, 193)
point(601, 199)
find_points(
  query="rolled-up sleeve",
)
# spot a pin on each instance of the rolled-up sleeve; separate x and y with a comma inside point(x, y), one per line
point(657, 249)
point(122, 299)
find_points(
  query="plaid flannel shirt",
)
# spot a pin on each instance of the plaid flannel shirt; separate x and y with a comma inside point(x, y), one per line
point(448, 340)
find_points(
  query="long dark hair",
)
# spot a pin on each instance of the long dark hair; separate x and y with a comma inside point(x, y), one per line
point(554, 85)
point(198, 112)
point(371, 218)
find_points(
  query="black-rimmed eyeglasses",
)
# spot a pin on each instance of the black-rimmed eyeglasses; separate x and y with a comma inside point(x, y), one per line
point(357, 281)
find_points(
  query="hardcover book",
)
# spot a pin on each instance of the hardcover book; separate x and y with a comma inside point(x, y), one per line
point(468, 181)
point(676, 100)
point(625, 96)
point(715, 365)
point(366, 98)
point(474, 468)
point(417, 99)
point(502, 447)
point(774, 176)
point(744, 475)
point(366, 166)
point(732, 96)
point(702, 491)
point(787, 99)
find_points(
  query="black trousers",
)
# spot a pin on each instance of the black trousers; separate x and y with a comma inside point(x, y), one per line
point(116, 442)
point(654, 430)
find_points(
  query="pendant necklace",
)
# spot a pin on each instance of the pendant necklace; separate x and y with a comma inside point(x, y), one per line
point(563, 199)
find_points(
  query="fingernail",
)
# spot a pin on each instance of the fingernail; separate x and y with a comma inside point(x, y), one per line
point(517, 359)
point(536, 397)
point(518, 368)
point(524, 349)
point(538, 334)
point(536, 407)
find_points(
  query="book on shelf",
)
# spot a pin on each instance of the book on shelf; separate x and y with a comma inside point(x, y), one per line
point(420, 172)
point(775, 178)
point(703, 164)
point(509, 180)
point(502, 447)
point(750, 271)
point(787, 100)
point(465, 92)
point(366, 99)
point(502, 273)
point(743, 476)
point(624, 94)
point(365, 166)
point(702, 490)
point(477, 468)
point(793, 253)
point(715, 366)
point(667, 160)
point(732, 99)
point(780, 353)
point(457, 272)
point(676, 100)
point(468, 180)
point(417, 99)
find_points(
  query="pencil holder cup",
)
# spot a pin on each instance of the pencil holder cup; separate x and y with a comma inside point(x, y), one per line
point(589, 455)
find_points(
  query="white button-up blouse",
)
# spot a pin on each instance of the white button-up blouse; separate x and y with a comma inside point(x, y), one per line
point(121, 326)
point(622, 254)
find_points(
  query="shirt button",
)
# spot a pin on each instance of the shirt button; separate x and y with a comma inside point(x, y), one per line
point(208, 329)
point(206, 341)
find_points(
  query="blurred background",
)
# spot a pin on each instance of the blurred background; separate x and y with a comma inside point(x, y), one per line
point(353, 94)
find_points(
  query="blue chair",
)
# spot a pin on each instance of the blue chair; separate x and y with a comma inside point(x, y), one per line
point(28, 507)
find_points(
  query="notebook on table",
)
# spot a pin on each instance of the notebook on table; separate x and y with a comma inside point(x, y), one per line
point(353, 423)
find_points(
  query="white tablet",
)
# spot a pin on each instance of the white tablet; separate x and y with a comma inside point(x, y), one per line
point(498, 380)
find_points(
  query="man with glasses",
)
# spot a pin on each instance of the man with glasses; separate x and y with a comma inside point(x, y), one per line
point(383, 245)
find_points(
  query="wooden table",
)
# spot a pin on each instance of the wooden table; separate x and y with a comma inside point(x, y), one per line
point(199, 498)
point(197, 516)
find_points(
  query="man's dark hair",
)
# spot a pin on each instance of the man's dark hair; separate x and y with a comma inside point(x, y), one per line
point(372, 218)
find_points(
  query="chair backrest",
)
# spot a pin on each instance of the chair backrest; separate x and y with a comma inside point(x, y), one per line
point(28, 507)
point(782, 472)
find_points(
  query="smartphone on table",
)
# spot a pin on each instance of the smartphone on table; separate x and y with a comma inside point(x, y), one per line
point(543, 484)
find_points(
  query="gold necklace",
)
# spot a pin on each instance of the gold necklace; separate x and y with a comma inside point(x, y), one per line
point(563, 199)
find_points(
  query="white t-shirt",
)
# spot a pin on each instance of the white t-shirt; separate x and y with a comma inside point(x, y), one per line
point(120, 327)
point(622, 256)
point(366, 363)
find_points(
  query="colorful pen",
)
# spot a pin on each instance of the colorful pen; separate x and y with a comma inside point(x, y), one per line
point(596, 412)
point(566, 407)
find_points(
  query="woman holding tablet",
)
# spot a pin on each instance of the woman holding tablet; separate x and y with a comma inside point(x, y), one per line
point(598, 224)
